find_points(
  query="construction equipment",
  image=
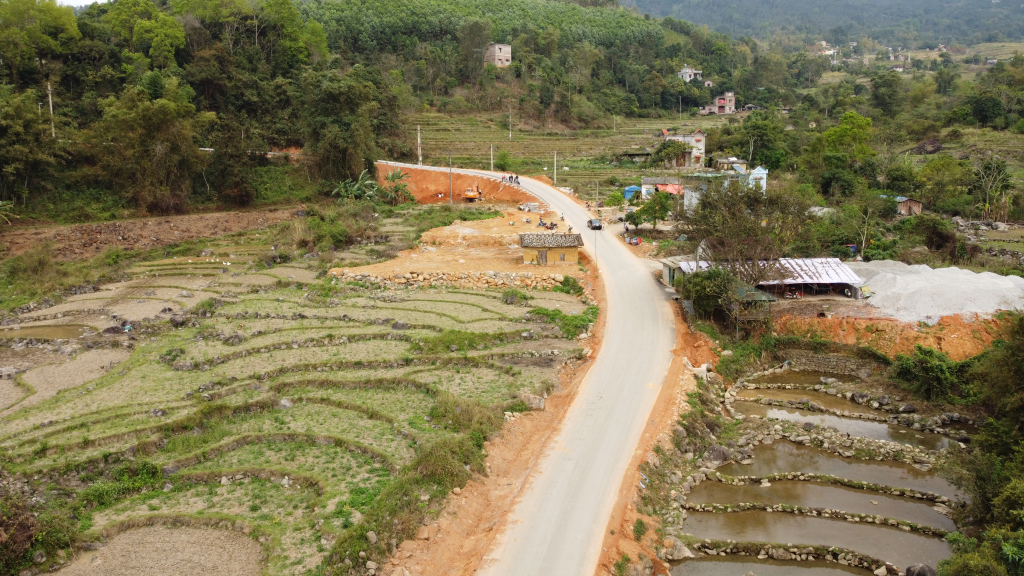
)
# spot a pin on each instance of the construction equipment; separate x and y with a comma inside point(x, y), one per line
point(473, 194)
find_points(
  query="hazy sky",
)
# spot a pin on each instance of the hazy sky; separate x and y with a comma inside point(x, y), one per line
point(75, 2)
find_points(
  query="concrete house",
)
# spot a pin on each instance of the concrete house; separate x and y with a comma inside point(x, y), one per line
point(544, 249)
point(724, 104)
point(498, 54)
point(687, 74)
point(694, 157)
point(908, 206)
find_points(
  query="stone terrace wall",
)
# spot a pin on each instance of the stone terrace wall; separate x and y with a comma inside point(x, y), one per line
point(837, 363)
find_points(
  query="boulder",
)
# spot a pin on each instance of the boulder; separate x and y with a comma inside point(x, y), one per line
point(675, 550)
point(177, 321)
point(808, 426)
point(907, 409)
point(39, 557)
point(884, 400)
point(781, 554)
point(860, 398)
point(717, 453)
point(920, 570)
point(399, 326)
point(533, 401)
point(371, 536)
point(234, 339)
point(882, 571)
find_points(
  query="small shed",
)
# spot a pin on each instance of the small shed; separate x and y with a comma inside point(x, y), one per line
point(544, 249)
point(629, 191)
point(909, 206)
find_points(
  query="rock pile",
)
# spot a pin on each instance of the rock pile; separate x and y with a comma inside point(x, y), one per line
point(472, 280)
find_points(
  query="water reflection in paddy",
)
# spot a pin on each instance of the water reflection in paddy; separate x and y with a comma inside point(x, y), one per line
point(788, 457)
point(62, 332)
point(878, 541)
point(824, 400)
point(853, 426)
point(801, 378)
point(739, 566)
point(812, 495)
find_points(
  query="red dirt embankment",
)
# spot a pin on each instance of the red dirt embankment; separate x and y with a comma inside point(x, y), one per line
point(433, 187)
point(952, 335)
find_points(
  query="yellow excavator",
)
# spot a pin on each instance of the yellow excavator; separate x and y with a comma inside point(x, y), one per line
point(473, 194)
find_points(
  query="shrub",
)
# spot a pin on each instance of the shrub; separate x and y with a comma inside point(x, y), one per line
point(971, 564)
point(570, 324)
point(1008, 507)
point(569, 285)
point(706, 289)
point(514, 297)
point(17, 530)
point(639, 529)
point(930, 374)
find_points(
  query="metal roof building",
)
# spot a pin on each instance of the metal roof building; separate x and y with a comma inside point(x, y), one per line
point(798, 271)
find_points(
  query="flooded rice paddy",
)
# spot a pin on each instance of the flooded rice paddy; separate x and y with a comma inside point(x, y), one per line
point(811, 495)
point(851, 426)
point(62, 332)
point(738, 566)
point(879, 541)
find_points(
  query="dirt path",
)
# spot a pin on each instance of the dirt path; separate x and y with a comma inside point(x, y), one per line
point(85, 240)
point(171, 552)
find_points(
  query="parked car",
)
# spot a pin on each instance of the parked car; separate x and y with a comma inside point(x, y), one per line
point(594, 224)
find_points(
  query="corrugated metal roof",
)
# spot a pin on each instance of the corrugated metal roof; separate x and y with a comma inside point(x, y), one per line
point(798, 271)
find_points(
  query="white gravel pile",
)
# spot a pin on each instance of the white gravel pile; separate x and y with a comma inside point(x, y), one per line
point(923, 294)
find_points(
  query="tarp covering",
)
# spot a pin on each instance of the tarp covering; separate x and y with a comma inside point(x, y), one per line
point(798, 271)
point(670, 188)
point(629, 191)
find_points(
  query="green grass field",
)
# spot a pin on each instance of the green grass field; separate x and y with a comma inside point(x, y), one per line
point(296, 408)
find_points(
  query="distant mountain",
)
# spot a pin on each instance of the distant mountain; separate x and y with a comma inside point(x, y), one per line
point(897, 21)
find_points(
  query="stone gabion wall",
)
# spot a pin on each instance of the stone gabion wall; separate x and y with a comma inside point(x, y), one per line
point(835, 363)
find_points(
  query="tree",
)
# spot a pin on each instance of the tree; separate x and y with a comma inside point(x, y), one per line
point(991, 184)
point(944, 79)
point(32, 31)
point(943, 177)
point(986, 108)
point(656, 208)
point(28, 153)
point(343, 117)
point(147, 147)
point(669, 151)
point(140, 23)
point(396, 191)
point(615, 200)
point(887, 92)
point(764, 132)
point(474, 36)
point(746, 230)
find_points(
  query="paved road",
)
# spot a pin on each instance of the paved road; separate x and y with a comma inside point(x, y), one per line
point(557, 526)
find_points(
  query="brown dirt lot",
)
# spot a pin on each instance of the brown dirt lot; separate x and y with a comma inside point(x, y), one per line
point(953, 335)
point(171, 552)
point(433, 187)
point(85, 240)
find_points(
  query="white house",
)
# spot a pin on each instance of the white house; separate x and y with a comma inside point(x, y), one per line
point(687, 74)
point(694, 157)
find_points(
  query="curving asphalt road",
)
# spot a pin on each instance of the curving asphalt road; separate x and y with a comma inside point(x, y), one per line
point(557, 526)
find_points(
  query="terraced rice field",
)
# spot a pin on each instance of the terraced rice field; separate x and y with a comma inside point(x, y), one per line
point(300, 412)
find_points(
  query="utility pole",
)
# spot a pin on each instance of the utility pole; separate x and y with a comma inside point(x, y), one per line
point(419, 147)
point(510, 122)
point(492, 157)
point(451, 187)
point(49, 95)
point(680, 107)
point(556, 167)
